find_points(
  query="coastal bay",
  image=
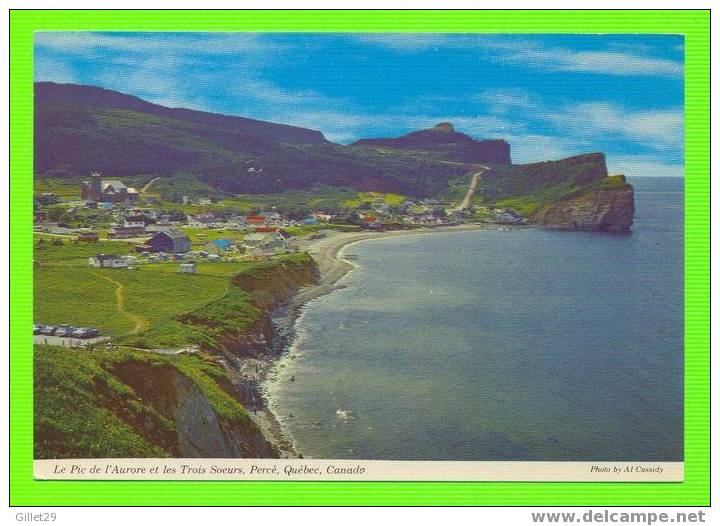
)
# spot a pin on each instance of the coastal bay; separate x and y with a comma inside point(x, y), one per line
point(492, 344)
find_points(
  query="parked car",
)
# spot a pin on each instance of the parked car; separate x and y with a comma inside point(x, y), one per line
point(64, 331)
point(38, 328)
point(85, 332)
point(48, 330)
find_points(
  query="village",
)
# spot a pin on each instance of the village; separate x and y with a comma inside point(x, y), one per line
point(151, 232)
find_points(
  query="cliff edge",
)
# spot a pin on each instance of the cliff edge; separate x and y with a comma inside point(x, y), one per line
point(574, 193)
point(606, 207)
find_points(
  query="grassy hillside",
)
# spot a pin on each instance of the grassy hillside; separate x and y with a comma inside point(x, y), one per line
point(68, 291)
point(85, 406)
point(231, 314)
point(79, 129)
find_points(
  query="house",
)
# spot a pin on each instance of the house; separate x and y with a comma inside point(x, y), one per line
point(252, 240)
point(268, 244)
point(204, 221)
point(218, 246)
point(88, 237)
point(237, 223)
point(273, 216)
point(310, 220)
point(321, 216)
point(256, 220)
point(509, 217)
point(265, 229)
point(106, 191)
point(187, 268)
point(108, 261)
point(138, 221)
point(126, 232)
point(169, 240)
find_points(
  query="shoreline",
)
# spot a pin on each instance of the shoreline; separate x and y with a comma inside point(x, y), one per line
point(327, 253)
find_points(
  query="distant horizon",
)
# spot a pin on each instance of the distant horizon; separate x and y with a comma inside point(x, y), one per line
point(548, 96)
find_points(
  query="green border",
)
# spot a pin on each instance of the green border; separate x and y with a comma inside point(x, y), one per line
point(695, 25)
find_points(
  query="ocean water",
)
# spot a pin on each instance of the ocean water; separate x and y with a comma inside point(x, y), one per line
point(498, 345)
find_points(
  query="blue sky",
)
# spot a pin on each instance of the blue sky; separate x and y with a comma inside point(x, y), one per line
point(550, 96)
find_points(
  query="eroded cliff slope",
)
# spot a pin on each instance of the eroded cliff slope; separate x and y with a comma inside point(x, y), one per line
point(91, 404)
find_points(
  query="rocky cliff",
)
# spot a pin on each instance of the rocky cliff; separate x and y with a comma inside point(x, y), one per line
point(138, 404)
point(201, 429)
point(605, 208)
point(574, 193)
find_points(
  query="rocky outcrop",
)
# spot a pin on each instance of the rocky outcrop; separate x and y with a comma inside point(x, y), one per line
point(600, 209)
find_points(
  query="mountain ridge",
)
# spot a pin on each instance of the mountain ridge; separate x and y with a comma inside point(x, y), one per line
point(81, 129)
point(443, 138)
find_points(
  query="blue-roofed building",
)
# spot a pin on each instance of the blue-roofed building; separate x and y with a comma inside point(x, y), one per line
point(219, 246)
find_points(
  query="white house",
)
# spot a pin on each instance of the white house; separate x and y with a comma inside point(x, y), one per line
point(108, 261)
point(187, 268)
point(204, 221)
point(265, 244)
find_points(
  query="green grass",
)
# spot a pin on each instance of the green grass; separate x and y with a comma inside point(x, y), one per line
point(368, 197)
point(612, 182)
point(231, 313)
point(529, 203)
point(64, 189)
point(204, 372)
point(86, 406)
point(306, 230)
point(79, 296)
point(76, 296)
point(155, 301)
point(73, 252)
point(219, 268)
point(200, 236)
point(82, 411)
point(155, 296)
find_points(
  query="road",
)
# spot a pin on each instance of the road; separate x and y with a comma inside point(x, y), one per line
point(145, 188)
point(467, 200)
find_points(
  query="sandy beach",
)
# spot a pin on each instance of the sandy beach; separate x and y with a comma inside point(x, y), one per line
point(326, 251)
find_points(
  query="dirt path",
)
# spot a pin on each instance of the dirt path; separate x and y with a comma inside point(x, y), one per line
point(467, 200)
point(141, 324)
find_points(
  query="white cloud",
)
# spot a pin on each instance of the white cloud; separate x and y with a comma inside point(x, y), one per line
point(54, 71)
point(95, 44)
point(619, 59)
point(603, 62)
point(533, 148)
point(505, 100)
point(608, 62)
point(656, 129)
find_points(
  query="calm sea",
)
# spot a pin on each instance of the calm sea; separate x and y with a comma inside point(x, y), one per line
point(498, 345)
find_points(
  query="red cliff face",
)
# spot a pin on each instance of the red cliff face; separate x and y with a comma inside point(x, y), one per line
point(603, 209)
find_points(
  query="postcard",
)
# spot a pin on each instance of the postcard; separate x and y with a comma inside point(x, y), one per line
point(358, 256)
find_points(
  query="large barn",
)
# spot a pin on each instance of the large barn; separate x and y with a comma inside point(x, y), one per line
point(169, 240)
